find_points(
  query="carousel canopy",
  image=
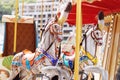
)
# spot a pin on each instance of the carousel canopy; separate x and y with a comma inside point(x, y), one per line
point(90, 10)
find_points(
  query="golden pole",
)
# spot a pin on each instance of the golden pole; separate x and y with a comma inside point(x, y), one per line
point(15, 29)
point(22, 7)
point(78, 38)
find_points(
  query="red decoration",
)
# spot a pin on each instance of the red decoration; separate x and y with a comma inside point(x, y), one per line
point(90, 10)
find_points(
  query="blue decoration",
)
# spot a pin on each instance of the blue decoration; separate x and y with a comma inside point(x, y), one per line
point(16, 63)
point(71, 64)
point(39, 57)
point(83, 58)
point(67, 63)
point(28, 64)
point(53, 61)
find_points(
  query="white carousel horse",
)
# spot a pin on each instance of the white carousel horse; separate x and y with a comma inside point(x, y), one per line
point(89, 43)
point(28, 64)
point(55, 73)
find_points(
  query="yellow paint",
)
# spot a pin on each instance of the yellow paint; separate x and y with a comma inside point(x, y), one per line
point(61, 20)
point(92, 58)
point(15, 29)
point(78, 38)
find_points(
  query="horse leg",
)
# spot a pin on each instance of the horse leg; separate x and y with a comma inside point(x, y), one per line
point(97, 70)
point(17, 77)
point(91, 76)
point(14, 72)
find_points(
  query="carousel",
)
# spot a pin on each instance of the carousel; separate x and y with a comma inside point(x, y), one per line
point(89, 54)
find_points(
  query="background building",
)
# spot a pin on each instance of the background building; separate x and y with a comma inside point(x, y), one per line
point(42, 11)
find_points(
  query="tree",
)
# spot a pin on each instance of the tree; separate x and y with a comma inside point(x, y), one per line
point(6, 6)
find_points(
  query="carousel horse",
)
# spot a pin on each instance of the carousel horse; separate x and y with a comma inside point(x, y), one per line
point(88, 48)
point(91, 39)
point(28, 64)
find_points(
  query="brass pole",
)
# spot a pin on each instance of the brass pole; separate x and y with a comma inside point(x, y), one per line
point(78, 38)
point(15, 26)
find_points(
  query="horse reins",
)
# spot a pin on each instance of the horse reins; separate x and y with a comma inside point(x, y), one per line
point(85, 38)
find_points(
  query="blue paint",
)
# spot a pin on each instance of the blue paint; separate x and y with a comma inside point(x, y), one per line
point(53, 61)
point(28, 64)
point(39, 57)
point(83, 58)
point(16, 63)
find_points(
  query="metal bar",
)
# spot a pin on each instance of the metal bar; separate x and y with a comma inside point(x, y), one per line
point(15, 26)
point(78, 38)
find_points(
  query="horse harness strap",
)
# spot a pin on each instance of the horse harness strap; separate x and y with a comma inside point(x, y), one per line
point(28, 59)
point(95, 38)
point(85, 38)
point(51, 58)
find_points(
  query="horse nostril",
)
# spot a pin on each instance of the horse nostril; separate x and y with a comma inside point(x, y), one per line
point(60, 64)
point(100, 44)
point(55, 77)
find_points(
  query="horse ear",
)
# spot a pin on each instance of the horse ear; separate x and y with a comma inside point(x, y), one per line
point(96, 26)
point(64, 13)
point(101, 15)
point(101, 20)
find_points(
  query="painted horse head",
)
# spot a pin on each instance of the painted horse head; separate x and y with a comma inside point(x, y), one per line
point(92, 38)
point(97, 36)
point(51, 36)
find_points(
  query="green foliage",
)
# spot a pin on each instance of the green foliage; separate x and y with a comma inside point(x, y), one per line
point(7, 62)
point(6, 6)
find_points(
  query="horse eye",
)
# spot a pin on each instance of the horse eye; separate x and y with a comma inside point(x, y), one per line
point(97, 33)
point(55, 26)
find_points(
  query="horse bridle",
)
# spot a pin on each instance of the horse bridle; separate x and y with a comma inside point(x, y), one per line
point(45, 51)
point(85, 38)
point(53, 42)
point(94, 36)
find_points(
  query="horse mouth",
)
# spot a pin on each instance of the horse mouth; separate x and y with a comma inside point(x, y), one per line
point(59, 39)
point(99, 44)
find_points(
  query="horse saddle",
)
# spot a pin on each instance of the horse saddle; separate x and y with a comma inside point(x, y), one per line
point(28, 58)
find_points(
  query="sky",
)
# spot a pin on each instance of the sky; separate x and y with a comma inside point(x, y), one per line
point(2, 28)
